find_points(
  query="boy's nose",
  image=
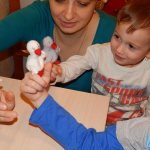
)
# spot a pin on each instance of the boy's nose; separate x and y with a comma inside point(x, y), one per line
point(120, 48)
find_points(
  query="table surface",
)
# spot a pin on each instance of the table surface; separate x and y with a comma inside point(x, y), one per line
point(89, 109)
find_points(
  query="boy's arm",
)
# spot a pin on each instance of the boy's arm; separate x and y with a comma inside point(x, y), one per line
point(134, 133)
point(60, 125)
point(57, 122)
point(76, 65)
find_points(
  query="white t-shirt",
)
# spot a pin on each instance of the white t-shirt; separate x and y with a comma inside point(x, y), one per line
point(128, 88)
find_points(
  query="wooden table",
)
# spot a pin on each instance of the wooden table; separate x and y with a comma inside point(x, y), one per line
point(89, 109)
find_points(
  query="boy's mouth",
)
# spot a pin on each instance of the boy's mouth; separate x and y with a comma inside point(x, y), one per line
point(118, 57)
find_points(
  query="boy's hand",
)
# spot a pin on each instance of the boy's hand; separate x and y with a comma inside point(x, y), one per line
point(35, 87)
point(7, 104)
point(56, 71)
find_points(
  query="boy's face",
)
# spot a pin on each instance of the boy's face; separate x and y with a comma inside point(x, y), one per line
point(129, 49)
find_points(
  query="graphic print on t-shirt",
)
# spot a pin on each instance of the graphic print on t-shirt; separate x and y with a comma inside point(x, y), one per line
point(126, 101)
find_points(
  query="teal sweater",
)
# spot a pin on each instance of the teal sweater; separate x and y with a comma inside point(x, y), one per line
point(35, 22)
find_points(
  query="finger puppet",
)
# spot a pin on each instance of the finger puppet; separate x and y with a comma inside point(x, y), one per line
point(51, 50)
point(36, 58)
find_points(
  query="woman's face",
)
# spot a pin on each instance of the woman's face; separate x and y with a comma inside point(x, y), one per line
point(72, 15)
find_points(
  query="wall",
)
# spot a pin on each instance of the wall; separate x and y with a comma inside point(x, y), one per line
point(6, 63)
point(4, 8)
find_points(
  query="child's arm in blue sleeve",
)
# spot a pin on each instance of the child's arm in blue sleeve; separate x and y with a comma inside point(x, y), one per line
point(60, 125)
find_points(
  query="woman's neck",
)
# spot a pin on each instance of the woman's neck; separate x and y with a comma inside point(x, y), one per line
point(68, 38)
point(76, 43)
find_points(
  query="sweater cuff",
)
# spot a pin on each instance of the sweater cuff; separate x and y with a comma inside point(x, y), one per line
point(37, 113)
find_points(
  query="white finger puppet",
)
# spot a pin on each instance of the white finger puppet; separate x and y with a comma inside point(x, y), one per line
point(51, 49)
point(36, 59)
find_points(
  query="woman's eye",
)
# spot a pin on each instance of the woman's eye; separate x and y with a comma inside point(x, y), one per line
point(83, 4)
point(60, 1)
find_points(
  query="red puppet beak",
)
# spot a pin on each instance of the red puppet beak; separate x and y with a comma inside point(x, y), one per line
point(38, 52)
point(53, 46)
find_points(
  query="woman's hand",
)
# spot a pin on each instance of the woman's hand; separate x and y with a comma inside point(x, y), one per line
point(34, 87)
point(7, 104)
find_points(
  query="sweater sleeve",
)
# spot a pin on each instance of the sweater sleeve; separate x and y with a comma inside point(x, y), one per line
point(59, 124)
point(134, 134)
point(31, 22)
point(76, 65)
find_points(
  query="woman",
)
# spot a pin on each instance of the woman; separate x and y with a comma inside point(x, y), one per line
point(74, 25)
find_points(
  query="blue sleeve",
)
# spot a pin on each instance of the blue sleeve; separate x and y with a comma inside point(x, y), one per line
point(60, 125)
point(31, 22)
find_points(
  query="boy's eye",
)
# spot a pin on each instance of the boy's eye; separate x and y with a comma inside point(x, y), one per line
point(131, 46)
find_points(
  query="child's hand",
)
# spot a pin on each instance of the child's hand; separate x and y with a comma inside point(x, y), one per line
point(7, 104)
point(7, 98)
point(35, 87)
point(56, 71)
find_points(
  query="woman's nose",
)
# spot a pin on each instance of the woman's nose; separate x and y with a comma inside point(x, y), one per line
point(69, 13)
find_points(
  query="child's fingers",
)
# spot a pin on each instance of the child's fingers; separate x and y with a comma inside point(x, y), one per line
point(33, 81)
point(28, 89)
point(29, 86)
point(47, 73)
point(8, 98)
point(7, 116)
point(34, 85)
point(59, 70)
point(3, 106)
point(4, 119)
point(56, 70)
point(37, 80)
point(53, 77)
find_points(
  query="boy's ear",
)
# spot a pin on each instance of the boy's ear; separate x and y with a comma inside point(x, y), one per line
point(148, 55)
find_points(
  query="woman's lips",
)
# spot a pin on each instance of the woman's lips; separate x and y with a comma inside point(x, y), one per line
point(68, 24)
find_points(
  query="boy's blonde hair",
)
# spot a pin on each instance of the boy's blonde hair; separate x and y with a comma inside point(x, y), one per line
point(136, 12)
